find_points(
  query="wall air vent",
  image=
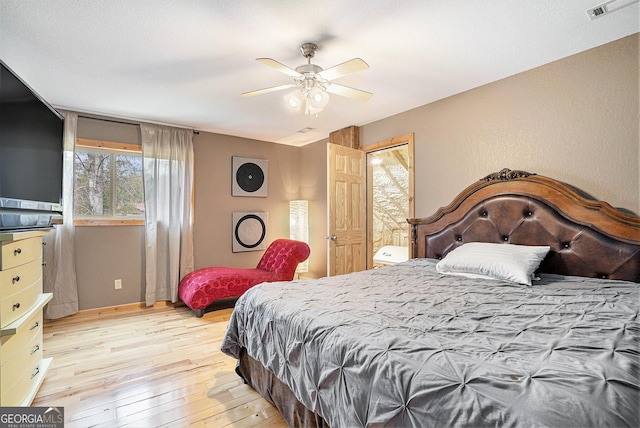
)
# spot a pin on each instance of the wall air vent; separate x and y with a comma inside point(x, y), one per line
point(305, 130)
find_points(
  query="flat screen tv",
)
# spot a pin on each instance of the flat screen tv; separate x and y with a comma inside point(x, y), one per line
point(31, 153)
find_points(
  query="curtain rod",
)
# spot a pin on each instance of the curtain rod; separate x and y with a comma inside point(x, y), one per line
point(121, 120)
point(109, 120)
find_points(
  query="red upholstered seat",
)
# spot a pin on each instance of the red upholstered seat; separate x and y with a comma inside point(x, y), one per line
point(202, 287)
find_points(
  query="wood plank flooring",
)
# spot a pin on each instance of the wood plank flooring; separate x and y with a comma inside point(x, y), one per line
point(155, 367)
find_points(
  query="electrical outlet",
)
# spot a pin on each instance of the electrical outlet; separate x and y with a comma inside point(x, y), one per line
point(118, 284)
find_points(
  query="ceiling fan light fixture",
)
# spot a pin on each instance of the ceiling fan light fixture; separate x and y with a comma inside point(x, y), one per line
point(295, 99)
point(309, 98)
point(318, 98)
point(312, 82)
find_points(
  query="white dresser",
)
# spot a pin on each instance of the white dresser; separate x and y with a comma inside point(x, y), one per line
point(22, 366)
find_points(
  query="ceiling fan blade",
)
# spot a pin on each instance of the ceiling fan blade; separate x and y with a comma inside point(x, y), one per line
point(267, 90)
point(346, 91)
point(351, 66)
point(278, 66)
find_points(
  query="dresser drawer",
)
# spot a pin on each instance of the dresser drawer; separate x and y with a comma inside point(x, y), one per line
point(16, 253)
point(19, 374)
point(12, 280)
point(13, 344)
point(22, 366)
point(14, 306)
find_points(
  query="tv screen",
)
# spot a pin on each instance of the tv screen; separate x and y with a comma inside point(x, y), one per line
point(31, 150)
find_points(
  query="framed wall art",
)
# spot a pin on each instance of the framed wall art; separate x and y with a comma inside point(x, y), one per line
point(249, 231)
point(250, 177)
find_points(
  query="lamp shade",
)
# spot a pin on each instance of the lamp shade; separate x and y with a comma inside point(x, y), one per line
point(295, 99)
point(318, 98)
point(299, 226)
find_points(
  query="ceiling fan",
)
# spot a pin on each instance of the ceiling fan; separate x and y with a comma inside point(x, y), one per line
point(312, 82)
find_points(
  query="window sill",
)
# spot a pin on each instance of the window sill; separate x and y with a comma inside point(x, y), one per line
point(108, 222)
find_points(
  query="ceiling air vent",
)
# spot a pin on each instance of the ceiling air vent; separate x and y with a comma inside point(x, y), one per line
point(596, 11)
point(608, 7)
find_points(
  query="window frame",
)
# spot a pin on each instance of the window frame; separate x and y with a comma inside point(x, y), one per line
point(108, 146)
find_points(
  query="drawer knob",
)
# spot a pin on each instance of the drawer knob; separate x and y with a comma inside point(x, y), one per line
point(35, 372)
point(15, 279)
point(16, 306)
point(17, 251)
point(35, 349)
point(35, 325)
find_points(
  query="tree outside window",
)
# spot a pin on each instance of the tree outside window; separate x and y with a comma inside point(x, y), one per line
point(108, 184)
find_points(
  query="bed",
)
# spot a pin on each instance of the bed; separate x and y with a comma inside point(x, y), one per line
point(428, 342)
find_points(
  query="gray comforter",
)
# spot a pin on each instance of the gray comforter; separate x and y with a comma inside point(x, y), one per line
point(405, 346)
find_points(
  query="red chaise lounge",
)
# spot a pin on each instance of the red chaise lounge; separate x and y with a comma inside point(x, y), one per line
point(202, 287)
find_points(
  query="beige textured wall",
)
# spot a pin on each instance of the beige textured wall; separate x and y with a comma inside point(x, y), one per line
point(104, 254)
point(313, 187)
point(575, 120)
point(214, 204)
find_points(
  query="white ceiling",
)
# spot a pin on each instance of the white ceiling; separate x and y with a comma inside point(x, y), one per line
point(186, 62)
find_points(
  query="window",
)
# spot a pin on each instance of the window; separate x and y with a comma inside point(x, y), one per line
point(108, 183)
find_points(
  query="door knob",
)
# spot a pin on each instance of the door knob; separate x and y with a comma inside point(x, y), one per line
point(332, 237)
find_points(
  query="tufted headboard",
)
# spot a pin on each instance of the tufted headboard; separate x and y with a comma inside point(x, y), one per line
point(587, 238)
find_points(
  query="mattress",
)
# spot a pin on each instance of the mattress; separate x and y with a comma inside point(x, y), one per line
point(405, 346)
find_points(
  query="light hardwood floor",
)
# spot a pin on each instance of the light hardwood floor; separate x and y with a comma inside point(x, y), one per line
point(134, 367)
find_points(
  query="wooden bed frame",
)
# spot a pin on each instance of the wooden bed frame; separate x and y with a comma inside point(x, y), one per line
point(587, 238)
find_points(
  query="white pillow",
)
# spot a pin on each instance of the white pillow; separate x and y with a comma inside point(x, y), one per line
point(508, 262)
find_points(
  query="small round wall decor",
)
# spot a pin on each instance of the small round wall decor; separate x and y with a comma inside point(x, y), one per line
point(249, 231)
point(250, 177)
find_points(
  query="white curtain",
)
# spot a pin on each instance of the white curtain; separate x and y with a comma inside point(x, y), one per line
point(168, 183)
point(59, 271)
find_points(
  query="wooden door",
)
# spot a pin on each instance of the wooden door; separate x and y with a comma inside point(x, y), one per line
point(346, 191)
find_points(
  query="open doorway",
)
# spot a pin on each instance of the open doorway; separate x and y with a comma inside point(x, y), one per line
point(389, 199)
